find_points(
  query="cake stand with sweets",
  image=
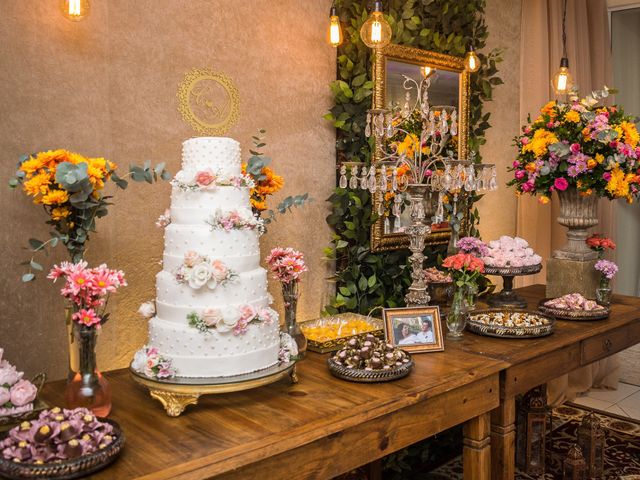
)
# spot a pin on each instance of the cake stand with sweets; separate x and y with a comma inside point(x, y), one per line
point(508, 297)
point(176, 393)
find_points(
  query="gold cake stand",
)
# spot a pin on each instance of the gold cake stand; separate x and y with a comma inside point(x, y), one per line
point(175, 394)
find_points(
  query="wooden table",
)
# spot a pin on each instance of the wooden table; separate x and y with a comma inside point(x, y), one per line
point(534, 362)
point(319, 428)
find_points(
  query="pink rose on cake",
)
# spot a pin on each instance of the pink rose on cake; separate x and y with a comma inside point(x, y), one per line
point(227, 323)
point(147, 309)
point(191, 258)
point(211, 317)
point(247, 313)
point(220, 271)
point(267, 315)
point(205, 178)
point(23, 392)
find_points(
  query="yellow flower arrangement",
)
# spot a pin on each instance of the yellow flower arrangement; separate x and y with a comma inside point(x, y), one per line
point(540, 142)
point(572, 116)
point(630, 133)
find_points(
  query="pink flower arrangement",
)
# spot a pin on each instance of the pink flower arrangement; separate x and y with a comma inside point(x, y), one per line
point(599, 244)
point(88, 290)
point(472, 245)
point(16, 393)
point(149, 362)
point(286, 264)
point(606, 268)
point(208, 180)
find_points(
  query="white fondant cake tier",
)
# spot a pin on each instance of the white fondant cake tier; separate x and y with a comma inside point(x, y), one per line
point(247, 286)
point(219, 154)
point(178, 313)
point(222, 197)
point(194, 354)
point(217, 244)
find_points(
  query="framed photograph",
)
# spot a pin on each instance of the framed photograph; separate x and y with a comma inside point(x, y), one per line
point(414, 329)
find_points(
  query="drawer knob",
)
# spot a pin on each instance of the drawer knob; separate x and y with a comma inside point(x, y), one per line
point(607, 344)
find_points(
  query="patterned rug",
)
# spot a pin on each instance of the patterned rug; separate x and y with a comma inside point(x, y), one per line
point(622, 450)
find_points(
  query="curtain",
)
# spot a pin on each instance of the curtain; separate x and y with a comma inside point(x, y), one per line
point(588, 47)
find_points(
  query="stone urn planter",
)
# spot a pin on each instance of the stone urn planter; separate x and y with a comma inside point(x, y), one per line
point(578, 213)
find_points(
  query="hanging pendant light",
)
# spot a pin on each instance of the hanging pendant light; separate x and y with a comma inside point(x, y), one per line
point(376, 31)
point(335, 30)
point(74, 10)
point(562, 82)
point(471, 60)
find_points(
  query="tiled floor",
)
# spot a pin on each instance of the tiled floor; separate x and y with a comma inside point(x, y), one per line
point(624, 401)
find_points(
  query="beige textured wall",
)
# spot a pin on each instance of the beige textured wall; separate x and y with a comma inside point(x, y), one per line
point(107, 86)
point(498, 209)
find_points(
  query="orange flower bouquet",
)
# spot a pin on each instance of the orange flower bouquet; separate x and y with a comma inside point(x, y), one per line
point(70, 188)
point(267, 182)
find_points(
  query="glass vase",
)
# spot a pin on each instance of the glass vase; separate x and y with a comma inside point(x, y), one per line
point(290, 294)
point(471, 291)
point(457, 315)
point(86, 386)
point(603, 292)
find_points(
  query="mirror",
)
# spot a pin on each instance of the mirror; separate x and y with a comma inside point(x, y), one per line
point(448, 87)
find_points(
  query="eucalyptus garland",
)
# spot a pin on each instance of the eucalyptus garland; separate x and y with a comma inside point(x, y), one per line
point(365, 279)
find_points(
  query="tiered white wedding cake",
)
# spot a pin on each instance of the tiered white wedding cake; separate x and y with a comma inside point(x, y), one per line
point(212, 314)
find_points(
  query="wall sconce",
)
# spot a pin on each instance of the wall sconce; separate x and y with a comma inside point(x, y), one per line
point(75, 10)
point(376, 31)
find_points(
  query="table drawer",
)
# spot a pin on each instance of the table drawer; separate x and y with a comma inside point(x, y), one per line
point(605, 344)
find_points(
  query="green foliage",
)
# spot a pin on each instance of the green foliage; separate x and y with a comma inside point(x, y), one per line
point(364, 279)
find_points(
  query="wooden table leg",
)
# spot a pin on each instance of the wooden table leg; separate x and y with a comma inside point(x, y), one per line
point(503, 440)
point(476, 452)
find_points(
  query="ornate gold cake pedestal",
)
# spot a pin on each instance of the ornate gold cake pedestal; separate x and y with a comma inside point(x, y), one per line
point(175, 396)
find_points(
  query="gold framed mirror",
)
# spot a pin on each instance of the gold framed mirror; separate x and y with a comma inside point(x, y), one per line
point(449, 86)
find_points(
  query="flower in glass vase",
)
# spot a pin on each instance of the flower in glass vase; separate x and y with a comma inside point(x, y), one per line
point(466, 270)
point(287, 265)
point(608, 271)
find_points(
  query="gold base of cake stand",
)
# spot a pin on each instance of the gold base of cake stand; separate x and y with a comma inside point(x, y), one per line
point(176, 394)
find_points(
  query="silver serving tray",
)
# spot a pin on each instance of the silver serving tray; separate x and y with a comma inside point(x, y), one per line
point(369, 376)
point(575, 315)
point(512, 271)
point(501, 331)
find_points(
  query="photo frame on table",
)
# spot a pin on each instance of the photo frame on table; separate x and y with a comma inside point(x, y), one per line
point(414, 329)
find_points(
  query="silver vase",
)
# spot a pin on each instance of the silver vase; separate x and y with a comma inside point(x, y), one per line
point(578, 213)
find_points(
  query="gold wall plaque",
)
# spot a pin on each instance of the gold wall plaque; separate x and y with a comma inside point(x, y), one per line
point(209, 101)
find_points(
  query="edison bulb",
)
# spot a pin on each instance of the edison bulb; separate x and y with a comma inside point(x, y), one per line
point(376, 31)
point(335, 30)
point(75, 10)
point(562, 81)
point(471, 61)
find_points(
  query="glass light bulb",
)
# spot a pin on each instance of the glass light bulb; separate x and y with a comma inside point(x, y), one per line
point(376, 31)
point(335, 30)
point(562, 81)
point(471, 61)
point(74, 10)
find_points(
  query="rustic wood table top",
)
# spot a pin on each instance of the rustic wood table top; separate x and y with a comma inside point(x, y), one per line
point(318, 428)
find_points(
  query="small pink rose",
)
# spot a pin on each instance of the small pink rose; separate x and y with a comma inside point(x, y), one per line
point(528, 186)
point(561, 184)
point(516, 164)
point(205, 178)
point(575, 148)
point(606, 176)
point(220, 271)
point(524, 140)
point(247, 313)
point(23, 392)
point(520, 174)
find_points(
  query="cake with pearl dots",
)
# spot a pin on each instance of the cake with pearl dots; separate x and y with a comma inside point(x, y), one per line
point(212, 315)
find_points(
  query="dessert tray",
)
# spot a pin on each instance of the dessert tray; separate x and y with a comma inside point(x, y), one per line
point(367, 359)
point(510, 323)
point(329, 334)
point(508, 297)
point(67, 469)
point(577, 315)
point(176, 393)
